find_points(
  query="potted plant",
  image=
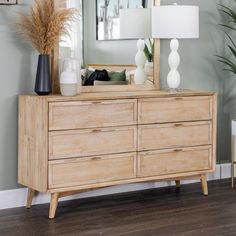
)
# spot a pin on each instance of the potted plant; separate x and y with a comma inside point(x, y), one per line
point(44, 28)
point(230, 64)
point(149, 52)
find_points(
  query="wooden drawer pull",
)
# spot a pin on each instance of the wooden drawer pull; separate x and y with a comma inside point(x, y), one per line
point(178, 125)
point(96, 158)
point(96, 130)
point(178, 150)
point(178, 99)
point(96, 102)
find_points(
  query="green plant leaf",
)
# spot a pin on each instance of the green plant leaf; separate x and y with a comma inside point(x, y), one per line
point(147, 53)
point(228, 26)
point(232, 50)
point(227, 60)
point(228, 70)
point(231, 40)
point(229, 11)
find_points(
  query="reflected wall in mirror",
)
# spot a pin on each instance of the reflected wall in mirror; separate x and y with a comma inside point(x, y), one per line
point(108, 16)
point(92, 54)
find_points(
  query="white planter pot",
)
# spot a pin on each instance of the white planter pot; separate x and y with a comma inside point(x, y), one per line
point(149, 68)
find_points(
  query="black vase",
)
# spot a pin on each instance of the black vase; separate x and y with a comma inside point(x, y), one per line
point(43, 84)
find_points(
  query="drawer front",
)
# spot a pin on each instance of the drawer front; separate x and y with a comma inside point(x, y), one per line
point(74, 115)
point(80, 171)
point(174, 135)
point(163, 110)
point(76, 143)
point(168, 162)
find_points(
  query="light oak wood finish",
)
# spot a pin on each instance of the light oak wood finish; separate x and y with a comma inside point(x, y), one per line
point(53, 205)
point(140, 95)
point(174, 135)
point(63, 151)
point(30, 196)
point(91, 142)
point(97, 169)
point(75, 115)
point(166, 162)
point(176, 109)
point(33, 142)
point(204, 184)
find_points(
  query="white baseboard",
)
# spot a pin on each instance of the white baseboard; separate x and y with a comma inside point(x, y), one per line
point(17, 197)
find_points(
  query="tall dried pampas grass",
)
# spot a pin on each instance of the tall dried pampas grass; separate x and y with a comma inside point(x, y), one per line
point(45, 25)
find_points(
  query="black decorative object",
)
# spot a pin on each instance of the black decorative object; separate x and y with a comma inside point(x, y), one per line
point(43, 84)
point(8, 2)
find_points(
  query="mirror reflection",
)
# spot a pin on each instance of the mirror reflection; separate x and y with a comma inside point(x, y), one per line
point(93, 48)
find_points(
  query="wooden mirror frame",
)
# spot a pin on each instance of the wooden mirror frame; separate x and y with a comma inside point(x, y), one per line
point(156, 79)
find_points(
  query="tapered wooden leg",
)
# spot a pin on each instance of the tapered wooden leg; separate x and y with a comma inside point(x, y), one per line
point(204, 185)
point(30, 197)
point(177, 183)
point(53, 205)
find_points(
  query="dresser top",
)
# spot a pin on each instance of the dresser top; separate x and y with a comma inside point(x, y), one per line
point(122, 95)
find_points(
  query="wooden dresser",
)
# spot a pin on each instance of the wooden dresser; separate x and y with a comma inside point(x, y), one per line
point(69, 145)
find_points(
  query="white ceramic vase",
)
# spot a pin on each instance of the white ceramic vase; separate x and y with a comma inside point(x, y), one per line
point(149, 68)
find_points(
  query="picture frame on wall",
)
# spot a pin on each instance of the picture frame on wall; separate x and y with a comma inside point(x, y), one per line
point(108, 18)
point(8, 2)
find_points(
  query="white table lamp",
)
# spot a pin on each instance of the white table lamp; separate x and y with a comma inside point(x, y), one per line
point(136, 24)
point(175, 22)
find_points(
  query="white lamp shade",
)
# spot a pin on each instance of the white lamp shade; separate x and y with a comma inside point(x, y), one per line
point(175, 21)
point(135, 23)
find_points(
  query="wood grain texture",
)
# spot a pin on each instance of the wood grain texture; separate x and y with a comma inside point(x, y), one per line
point(30, 197)
point(204, 185)
point(92, 114)
point(98, 169)
point(166, 162)
point(53, 205)
point(174, 135)
point(163, 110)
point(171, 177)
point(214, 130)
point(110, 95)
point(90, 142)
point(33, 142)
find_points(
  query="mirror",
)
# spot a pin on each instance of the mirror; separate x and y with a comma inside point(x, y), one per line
point(108, 16)
point(117, 57)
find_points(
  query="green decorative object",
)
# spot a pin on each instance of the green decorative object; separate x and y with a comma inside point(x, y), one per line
point(149, 50)
point(230, 63)
point(117, 76)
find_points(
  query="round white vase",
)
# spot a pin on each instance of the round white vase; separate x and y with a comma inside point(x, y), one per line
point(173, 78)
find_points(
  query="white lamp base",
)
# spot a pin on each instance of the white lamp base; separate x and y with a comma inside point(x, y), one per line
point(173, 78)
point(140, 75)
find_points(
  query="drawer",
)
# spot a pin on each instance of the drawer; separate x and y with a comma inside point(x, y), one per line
point(174, 135)
point(167, 162)
point(91, 142)
point(73, 115)
point(164, 110)
point(90, 170)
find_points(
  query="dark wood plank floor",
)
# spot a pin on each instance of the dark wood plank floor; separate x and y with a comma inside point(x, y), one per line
point(153, 212)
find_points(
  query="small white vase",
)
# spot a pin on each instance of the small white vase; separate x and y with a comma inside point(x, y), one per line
point(149, 68)
point(68, 82)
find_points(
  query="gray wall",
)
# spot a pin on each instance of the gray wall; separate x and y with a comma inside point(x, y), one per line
point(199, 71)
point(17, 72)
